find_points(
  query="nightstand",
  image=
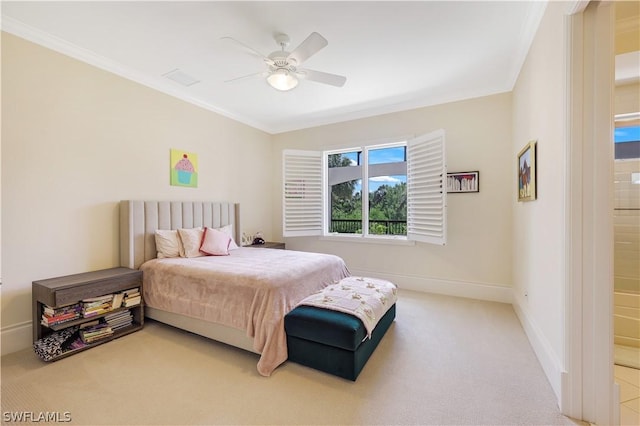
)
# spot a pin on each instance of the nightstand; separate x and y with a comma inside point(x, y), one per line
point(269, 244)
point(65, 305)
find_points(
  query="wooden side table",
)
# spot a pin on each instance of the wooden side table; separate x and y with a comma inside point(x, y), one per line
point(71, 289)
point(270, 244)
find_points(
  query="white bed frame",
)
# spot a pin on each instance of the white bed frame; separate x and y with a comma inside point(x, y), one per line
point(139, 221)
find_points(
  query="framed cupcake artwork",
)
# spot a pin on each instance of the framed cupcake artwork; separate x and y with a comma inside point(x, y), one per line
point(184, 168)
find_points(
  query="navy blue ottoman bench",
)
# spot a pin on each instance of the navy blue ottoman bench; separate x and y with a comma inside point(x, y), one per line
point(332, 341)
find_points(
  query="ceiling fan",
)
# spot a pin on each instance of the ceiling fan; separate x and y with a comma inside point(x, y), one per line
point(283, 70)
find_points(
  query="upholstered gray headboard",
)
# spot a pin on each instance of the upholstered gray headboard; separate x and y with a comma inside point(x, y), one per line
point(140, 219)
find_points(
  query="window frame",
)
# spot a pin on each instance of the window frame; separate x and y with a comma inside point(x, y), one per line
point(426, 192)
point(364, 189)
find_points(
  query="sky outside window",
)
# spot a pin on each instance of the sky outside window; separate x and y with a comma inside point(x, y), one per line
point(380, 156)
point(386, 155)
point(627, 134)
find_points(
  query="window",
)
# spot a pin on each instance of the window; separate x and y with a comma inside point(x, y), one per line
point(344, 187)
point(380, 186)
point(627, 136)
point(381, 191)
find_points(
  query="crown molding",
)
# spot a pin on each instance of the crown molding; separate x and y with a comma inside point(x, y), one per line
point(527, 34)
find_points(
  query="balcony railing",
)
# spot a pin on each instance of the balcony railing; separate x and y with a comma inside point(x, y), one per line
point(376, 227)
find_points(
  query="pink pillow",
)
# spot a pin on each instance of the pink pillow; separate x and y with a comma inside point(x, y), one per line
point(228, 229)
point(215, 243)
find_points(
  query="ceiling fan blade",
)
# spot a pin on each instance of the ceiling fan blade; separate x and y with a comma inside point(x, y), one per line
point(251, 49)
point(322, 77)
point(255, 74)
point(307, 48)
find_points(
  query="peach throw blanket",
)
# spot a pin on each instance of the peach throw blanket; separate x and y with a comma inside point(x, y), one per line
point(251, 289)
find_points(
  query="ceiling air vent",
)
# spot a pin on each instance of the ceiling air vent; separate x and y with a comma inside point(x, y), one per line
point(180, 77)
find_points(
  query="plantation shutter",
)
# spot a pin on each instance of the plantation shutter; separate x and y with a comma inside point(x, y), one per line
point(303, 201)
point(426, 193)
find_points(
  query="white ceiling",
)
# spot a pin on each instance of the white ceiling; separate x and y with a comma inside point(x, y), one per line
point(395, 55)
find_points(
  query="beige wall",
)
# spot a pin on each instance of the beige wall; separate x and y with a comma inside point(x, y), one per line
point(627, 31)
point(75, 141)
point(538, 226)
point(476, 262)
point(627, 98)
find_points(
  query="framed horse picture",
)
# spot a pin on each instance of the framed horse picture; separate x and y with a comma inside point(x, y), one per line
point(527, 172)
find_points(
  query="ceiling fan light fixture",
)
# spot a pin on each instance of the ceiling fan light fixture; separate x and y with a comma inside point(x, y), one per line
point(283, 72)
point(281, 79)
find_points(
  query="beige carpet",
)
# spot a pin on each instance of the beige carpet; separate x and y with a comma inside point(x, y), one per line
point(444, 361)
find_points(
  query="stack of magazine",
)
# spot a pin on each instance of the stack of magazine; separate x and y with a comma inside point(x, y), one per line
point(120, 319)
point(96, 305)
point(94, 331)
point(53, 316)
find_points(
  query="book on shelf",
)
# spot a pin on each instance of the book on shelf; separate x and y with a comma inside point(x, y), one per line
point(117, 315)
point(117, 300)
point(121, 320)
point(132, 301)
point(101, 305)
point(96, 332)
point(98, 300)
point(90, 307)
point(96, 310)
point(132, 297)
point(57, 315)
point(120, 327)
point(94, 306)
point(118, 320)
point(59, 319)
point(54, 311)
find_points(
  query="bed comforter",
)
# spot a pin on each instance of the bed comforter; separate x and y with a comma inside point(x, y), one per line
point(251, 289)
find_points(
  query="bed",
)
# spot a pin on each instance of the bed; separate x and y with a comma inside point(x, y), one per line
point(240, 299)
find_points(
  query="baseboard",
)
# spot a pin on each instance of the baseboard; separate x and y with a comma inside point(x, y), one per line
point(468, 289)
point(545, 354)
point(16, 337)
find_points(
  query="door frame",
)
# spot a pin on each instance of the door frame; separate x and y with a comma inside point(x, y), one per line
point(588, 389)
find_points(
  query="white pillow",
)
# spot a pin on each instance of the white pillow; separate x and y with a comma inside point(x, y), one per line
point(228, 229)
point(215, 242)
point(168, 244)
point(191, 241)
